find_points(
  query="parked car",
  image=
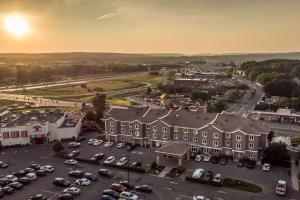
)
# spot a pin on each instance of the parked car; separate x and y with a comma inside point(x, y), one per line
point(223, 160)
point(107, 197)
point(208, 176)
point(215, 159)
point(38, 197)
point(7, 190)
point(76, 174)
point(136, 164)
point(19, 173)
point(198, 173)
point(200, 198)
point(3, 164)
point(97, 142)
point(91, 141)
point(251, 164)
point(72, 190)
point(80, 138)
point(90, 176)
point(65, 196)
point(130, 147)
point(106, 173)
point(29, 170)
point(109, 160)
point(47, 168)
point(35, 166)
point(71, 162)
point(218, 178)
point(74, 144)
point(127, 185)
point(122, 161)
point(24, 180)
point(281, 188)
point(74, 153)
point(198, 157)
point(206, 158)
point(108, 144)
point(83, 182)
point(97, 156)
point(144, 188)
point(121, 145)
point(128, 196)
point(111, 193)
point(16, 185)
point(118, 187)
point(11, 178)
point(41, 172)
point(61, 182)
point(266, 167)
point(241, 163)
point(32, 176)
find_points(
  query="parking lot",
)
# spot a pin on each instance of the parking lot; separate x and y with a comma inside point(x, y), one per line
point(163, 188)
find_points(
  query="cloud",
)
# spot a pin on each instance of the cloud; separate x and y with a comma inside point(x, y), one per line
point(118, 12)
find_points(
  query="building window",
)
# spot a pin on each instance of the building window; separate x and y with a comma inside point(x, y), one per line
point(215, 143)
point(251, 138)
point(137, 133)
point(185, 137)
point(122, 130)
point(215, 135)
point(147, 126)
point(111, 123)
point(122, 123)
point(14, 134)
point(164, 136)
point(154, 128)
point(130, 131)
point(175, 129)
point(175, 136)
point(204, 142)
point(238, 138)
point(195, 131)
point(227, 143)
point(206, 150)
point(216, 150)
point(24, 134)
point(136, 126)
point(164, 129)
point(228, 135)
point(195, 139)
point(154, 135)
point(250, 145)
point(204, 134)
point(185, 130)
point(111, 130)
point(148, 133)
point(251, 155)
point(5, 135)
point(194, 149)
point(122, 138)
point(238, 146)
point(130, 124)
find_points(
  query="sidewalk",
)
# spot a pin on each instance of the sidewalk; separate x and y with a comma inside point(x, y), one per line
point(164, 172)
point(294, 174)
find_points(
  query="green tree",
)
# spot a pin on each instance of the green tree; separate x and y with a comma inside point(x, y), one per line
point(99, 105)
point(90, 116)
point(196, 95)
point(58, 146)
point(276, 154)
point(149, 90)
point(220, 106)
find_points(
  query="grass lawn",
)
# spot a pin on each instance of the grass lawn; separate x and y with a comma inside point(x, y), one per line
point(241, 185)
point(4, 102)
point(118, 101)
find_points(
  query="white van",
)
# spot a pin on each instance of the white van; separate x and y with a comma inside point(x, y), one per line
point(32, 176)
point(198, 173)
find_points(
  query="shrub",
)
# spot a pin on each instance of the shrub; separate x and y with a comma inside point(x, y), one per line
point(58, 146)
point(153, 165)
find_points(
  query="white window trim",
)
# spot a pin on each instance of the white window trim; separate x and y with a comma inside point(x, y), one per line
point(185, 130)
point(238, 140)
point(185, 137)
point(215, 143)
point(238, 146)
point(154, 128)
point(251, 145)
point(130, 124)
point(175, 129)
point(251, 138)
point(164, 129)
point(154, 135)
point(214, 135)
point(195, 131)
point(204, 134)
point(197, 139)
point(122, 130)
point(204, 143)
point(176, 138)
point(122, 123)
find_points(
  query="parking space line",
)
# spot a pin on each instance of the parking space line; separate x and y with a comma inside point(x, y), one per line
point(184, 196)
point(222, 192)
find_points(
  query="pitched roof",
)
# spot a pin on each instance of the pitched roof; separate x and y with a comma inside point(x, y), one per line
point(126, 114)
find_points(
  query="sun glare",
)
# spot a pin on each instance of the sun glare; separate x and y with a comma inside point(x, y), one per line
point(16, 25)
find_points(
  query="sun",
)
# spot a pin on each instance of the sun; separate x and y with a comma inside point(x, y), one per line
point(16, 25)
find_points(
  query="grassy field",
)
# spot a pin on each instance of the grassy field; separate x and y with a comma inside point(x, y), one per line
point(4, 102)
point(119, 101)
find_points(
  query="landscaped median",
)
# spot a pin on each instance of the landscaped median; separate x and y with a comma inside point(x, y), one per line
point(230, 183)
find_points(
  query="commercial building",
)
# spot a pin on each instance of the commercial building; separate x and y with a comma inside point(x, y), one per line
point(40, 127)
point(210, 133)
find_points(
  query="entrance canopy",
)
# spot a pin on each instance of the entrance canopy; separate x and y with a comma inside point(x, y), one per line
point(174, 149)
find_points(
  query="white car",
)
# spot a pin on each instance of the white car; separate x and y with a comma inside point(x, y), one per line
point(47, 168)
point(32, 176)
point(71, 162)
point(83, 182)
point(281, 188)
point(128, 196)
point(198, 173)
point(122, 161)
point(108, 144)
point(97, 142)
point(91, 141)
point(109, 160)
point(200, 198)
point(198, 158)
point(206, 158)
point(121, 145)
point(218, 178)
point(72, 190)
point(266, 167)
point(12, 178)
point(74, 144)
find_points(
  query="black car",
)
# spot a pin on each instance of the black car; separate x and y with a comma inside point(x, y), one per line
point(29, 170)
point(20, 173)
point(215, 159)
point(3, 164)
point(97, 156)
point(223, 161)
point(7, 190)
point(1, 194)
point(41, 172)
point(4, 182)
point(241, 163)
point(251, 164)
point(80, 138)
point(106, 173)
point(61, 182)
point(16, 185)
point(90, 176)
point(38, 197)
point(111, 193)
point(107, 197)
point(76, 174)
point(130, 147)
point(208, 176)
point(127, 185)
point(65, 196)
point(143, 188)
point(35, 166)
point(24, 180)
point(136, 164)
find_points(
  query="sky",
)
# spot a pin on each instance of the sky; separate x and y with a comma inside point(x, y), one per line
point(154, 26)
